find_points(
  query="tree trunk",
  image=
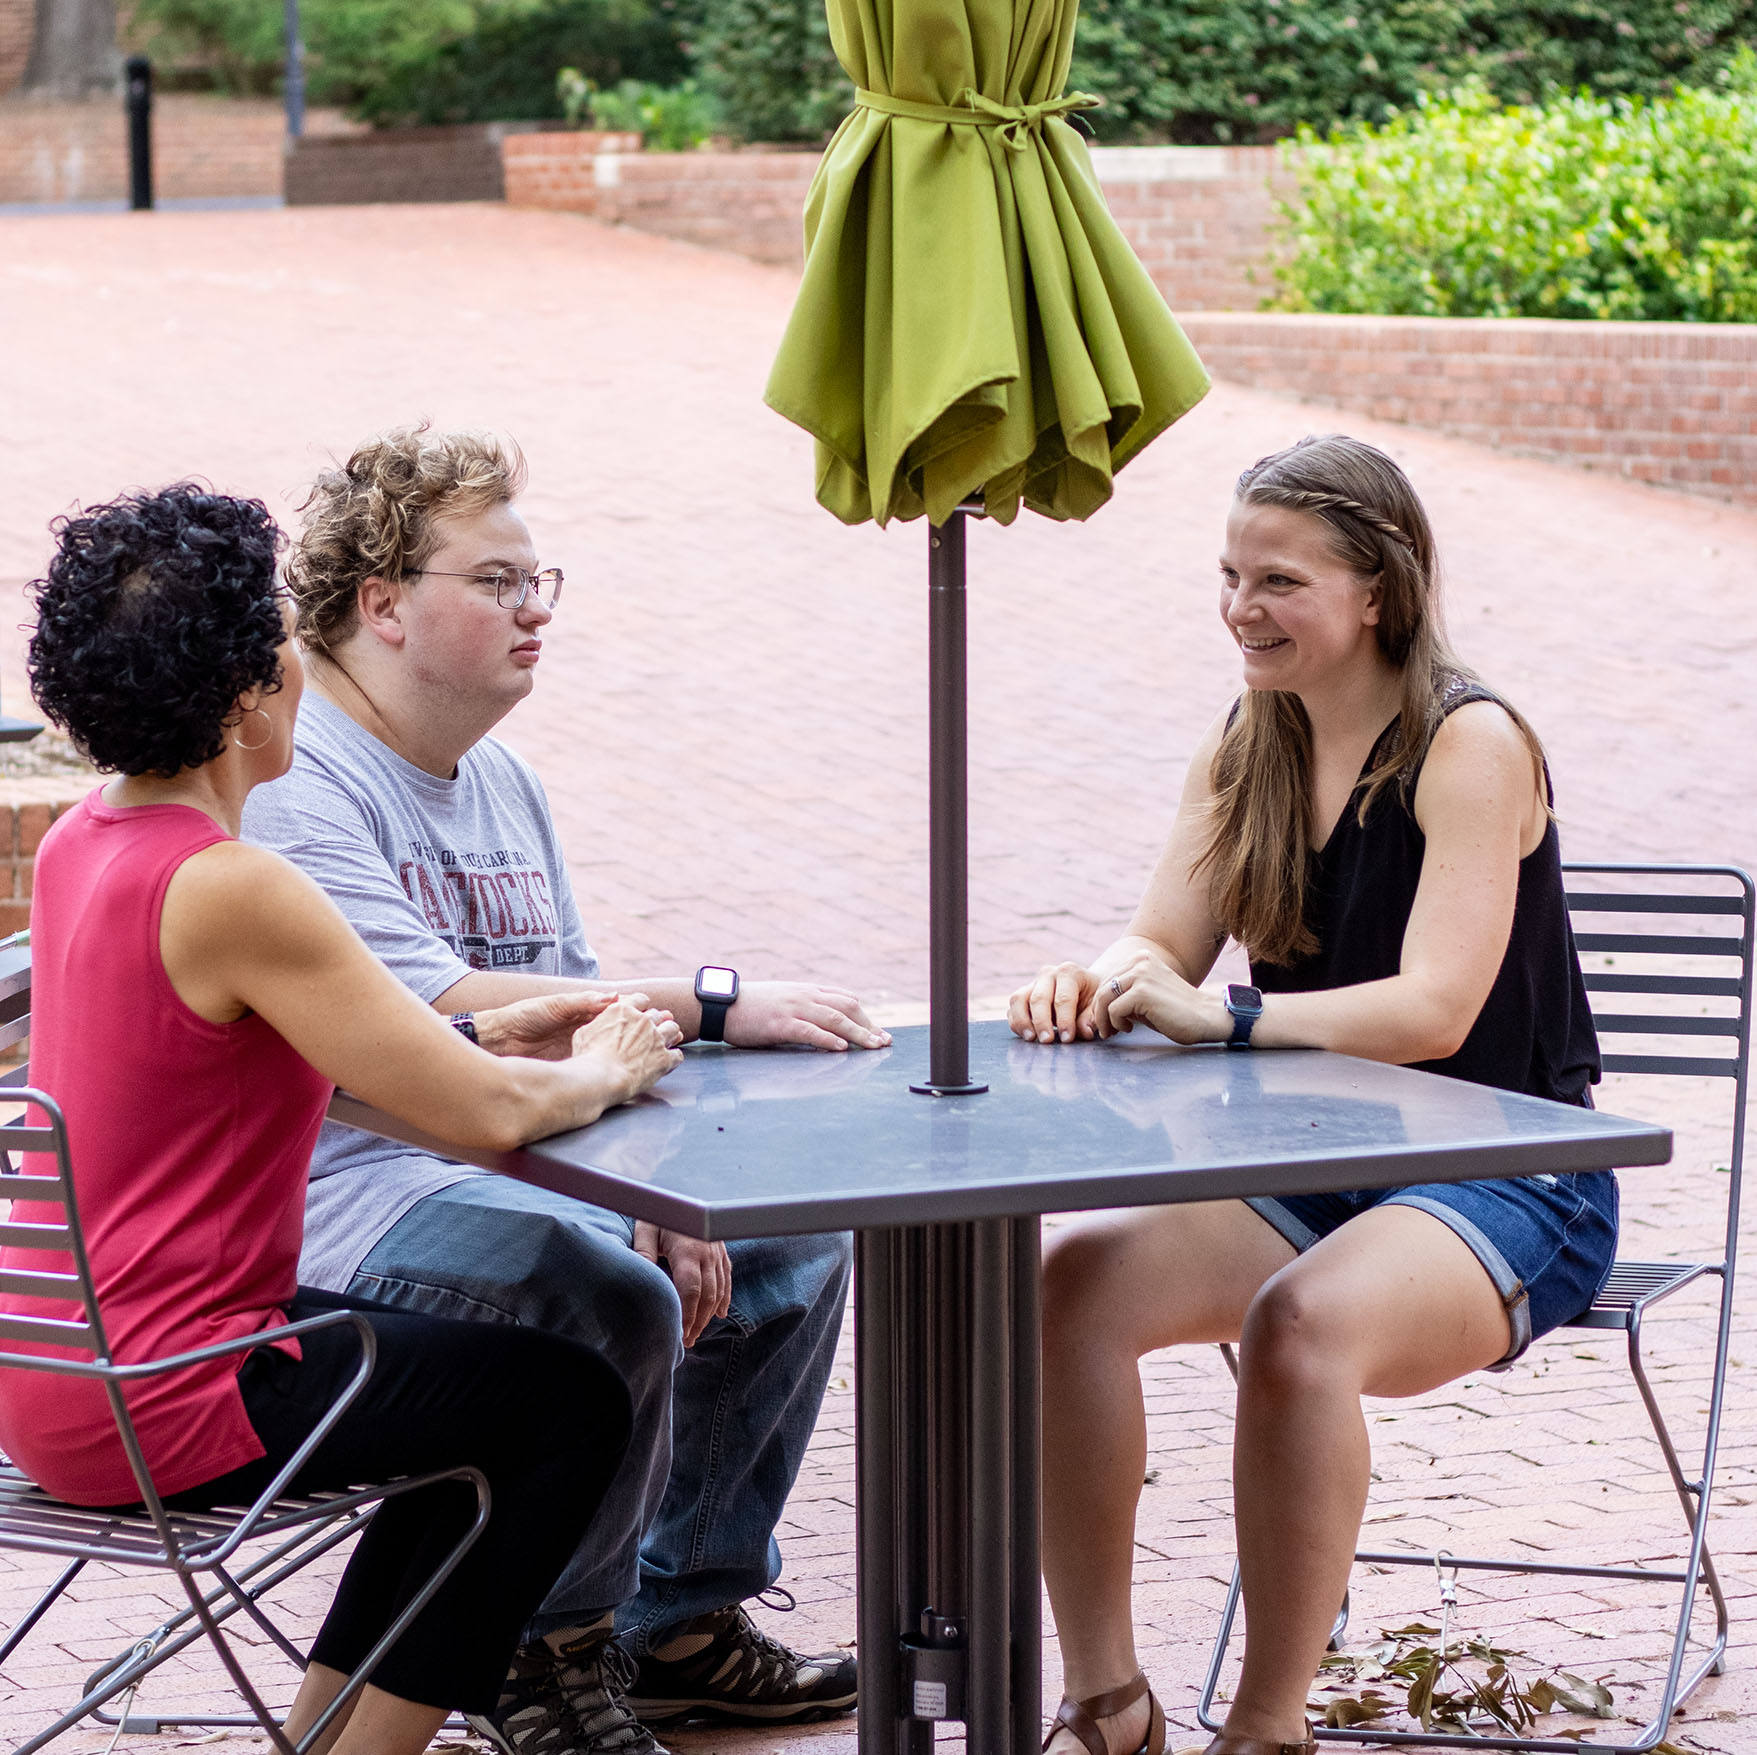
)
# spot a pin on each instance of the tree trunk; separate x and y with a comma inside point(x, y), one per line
point(74, 53)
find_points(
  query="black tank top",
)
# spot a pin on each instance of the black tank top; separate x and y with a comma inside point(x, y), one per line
point(1534, 1033)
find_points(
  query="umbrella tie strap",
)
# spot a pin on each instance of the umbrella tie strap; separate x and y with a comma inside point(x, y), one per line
point(1017, 122)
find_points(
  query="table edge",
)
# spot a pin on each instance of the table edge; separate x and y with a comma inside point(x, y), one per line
point(1630, 1145)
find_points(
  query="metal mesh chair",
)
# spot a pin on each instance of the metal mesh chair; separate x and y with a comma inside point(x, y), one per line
point(203, 1549)
point(1681, 982)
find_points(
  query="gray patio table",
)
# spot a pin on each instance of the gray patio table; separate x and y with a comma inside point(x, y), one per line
point(945, 1197)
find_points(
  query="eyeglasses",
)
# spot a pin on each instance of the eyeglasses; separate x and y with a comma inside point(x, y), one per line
point(512, 585)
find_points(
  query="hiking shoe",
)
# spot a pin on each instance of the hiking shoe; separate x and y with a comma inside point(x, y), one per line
point(723, 1666)
point(567, 1694)
point(531, 1717)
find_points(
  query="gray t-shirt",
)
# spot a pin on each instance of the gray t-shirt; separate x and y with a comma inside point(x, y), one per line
point(439, 877)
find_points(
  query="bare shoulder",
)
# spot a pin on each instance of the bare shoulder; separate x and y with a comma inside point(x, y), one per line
point(1481, 731)
point(235, 889)
point(1480, 760)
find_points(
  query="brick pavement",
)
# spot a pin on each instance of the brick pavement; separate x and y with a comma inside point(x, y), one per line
point(731, 722)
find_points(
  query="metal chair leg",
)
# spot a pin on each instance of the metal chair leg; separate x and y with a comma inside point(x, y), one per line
point(42, 1605)
point(292, 1554)
point(1694, 1497)
point(1222, 1639)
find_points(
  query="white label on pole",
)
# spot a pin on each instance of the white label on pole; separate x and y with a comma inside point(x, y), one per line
point(930, 1700)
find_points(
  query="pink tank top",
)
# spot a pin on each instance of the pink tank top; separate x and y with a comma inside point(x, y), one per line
point(190, 1144)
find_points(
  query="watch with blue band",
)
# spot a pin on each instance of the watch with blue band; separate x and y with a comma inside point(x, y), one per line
point(1246, 1006)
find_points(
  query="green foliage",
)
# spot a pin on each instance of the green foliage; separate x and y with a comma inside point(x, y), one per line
point(235, 46)
point(1220, 70)
point(1196, 70)
point(504, 69)
point(574, 91)
point(1624, 207)
point(351, 45)
point(421, 60)
point(667, 118)
point(770, 66)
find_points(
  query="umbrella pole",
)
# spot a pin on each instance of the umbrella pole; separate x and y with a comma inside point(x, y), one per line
point(949, 986)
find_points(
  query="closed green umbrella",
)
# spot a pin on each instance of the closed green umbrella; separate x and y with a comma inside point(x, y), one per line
point(971, 321)
point(971, 330)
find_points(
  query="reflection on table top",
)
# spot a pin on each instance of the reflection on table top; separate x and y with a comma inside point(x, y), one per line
point(742, 1143)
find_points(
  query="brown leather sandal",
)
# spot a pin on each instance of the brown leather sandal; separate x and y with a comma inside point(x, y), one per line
point(1081, 1717)
point(1230, 1743)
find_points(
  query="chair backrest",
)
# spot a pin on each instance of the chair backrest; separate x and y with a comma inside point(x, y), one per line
point(1673, 943)
point(83, 1333)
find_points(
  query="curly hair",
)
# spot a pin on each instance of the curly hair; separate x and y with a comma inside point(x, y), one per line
point(374, 516)
point(157, 612)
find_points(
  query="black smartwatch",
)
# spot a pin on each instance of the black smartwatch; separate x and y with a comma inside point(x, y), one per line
point(1246, 1006)
point(465, 1025)
point(716, 992)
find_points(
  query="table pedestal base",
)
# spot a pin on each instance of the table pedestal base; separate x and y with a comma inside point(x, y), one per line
point(948, 1411)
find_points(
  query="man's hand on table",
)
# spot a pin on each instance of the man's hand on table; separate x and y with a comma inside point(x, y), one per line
point(701, 1272)
point(773, 1014)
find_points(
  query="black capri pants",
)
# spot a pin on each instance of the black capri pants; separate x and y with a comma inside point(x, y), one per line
point(547, 1423)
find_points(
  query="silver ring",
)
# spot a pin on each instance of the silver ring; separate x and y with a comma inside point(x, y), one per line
point(1116, 987)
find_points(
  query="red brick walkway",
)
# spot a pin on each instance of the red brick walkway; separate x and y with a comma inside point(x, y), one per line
point(728, 656)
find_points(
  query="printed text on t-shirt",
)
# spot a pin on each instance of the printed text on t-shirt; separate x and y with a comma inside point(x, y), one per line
point(493, 909)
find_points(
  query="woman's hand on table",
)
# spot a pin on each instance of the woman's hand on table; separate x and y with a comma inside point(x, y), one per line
point(1057, 1006)
point(1144, 990)
point(542, 1028)
point(701, 1272)
point(639, 1042)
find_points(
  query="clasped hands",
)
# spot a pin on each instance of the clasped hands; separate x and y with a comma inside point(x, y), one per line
point(552, 1026)
point(768, 1013)
point(1069, 1002)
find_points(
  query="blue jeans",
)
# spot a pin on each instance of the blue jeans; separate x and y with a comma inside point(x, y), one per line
point(719, 1431)
point(1547, 1242)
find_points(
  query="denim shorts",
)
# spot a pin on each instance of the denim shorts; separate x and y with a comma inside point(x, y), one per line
point(1547, 1242)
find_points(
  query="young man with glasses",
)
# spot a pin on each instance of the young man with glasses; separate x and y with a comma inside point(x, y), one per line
point(421, 609)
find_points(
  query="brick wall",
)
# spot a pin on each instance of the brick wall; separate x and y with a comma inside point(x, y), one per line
point(557, 169)
point(28, 805)
point(202, 146)
point(17, 27)
point(1670, 403)
point(401, 164)
point(1196, 216)
point(744, 201)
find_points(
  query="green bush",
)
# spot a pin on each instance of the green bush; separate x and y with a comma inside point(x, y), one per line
point(233, 46)
point(667, 118)
point(1221, 70)
point(350, 45)
point(769, 65)
point(1195, 70)
point(1585, 206)
point(421, 60)
point(505, 68)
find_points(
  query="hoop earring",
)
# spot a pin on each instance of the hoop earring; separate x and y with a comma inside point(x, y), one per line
point(267, 735)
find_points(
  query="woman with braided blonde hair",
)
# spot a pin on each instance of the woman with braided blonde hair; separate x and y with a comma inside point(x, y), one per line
point(1373, 826)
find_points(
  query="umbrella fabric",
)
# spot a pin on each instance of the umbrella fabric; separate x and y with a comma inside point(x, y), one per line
point(971, 321)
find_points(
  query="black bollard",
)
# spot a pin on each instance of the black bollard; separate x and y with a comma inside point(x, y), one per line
point(293, 87)
point(139, 99)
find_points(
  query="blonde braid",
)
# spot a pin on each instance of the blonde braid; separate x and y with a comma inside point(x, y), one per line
point(1312, 500)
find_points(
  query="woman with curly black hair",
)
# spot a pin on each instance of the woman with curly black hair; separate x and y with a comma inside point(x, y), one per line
point(195, 1000)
